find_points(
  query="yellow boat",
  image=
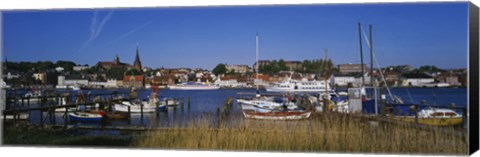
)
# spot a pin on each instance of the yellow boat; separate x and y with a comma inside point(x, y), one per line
point(434, 116)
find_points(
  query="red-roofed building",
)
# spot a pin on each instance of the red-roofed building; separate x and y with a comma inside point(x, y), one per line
point(136, 81)
point(115, 64)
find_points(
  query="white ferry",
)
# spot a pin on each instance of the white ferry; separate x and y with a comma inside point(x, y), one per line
point(299, 86)
point(186, 86)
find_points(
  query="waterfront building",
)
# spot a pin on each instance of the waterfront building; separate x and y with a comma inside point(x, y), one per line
point(112, 83)
point(80, 67)
point(263, 80)
point(59, 69)
point(164, 79)
point(344, 80)
point(98, 83)
point(392, 77)
point(76, 80)
point(352, 68)
point(450, 78)
point(229, 81)
point(40, 76)
point(238, 68)
point(136, 81)
point(180, 75)
point(416, 79)
point(61, 80)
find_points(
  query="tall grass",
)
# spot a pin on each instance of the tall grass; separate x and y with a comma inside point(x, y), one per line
point(327, 133)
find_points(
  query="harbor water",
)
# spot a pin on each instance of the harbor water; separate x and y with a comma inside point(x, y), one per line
point(205, 103)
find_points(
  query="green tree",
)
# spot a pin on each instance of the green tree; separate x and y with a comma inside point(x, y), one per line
point(219, 69)
point(429, 68)
point(133, 72)
point(282, 65)
point(116, 73)
point(42, 66)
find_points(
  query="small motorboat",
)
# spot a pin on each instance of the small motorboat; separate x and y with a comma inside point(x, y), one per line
point(169, 102)
point(281, 115)
point(86, 116)
point(136, 108)
point(434, 116)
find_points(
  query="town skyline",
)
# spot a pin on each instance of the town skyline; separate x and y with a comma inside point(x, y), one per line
point(173, 38)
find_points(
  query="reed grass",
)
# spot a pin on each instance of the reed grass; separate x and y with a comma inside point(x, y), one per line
point(326, 133)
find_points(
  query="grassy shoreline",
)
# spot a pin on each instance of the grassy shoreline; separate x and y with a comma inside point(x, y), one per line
point(335, 133)
point(332, 133)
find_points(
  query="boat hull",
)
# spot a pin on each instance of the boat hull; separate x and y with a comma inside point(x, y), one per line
point(133, 109)
point(290, 115)
point(83, 116)
point(432, 121)
point(193, 87)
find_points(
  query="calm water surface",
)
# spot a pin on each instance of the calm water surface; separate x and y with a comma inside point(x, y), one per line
point(205, 104)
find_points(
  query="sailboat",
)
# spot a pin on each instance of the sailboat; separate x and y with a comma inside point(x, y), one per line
point(263, 107)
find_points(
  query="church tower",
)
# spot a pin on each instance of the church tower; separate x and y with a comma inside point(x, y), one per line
point(116, 61)
point(137, 64)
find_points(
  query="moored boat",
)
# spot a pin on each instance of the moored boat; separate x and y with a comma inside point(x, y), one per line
point(291, 85)
point(282, 115)
point(186, 86)
point(85, 116)
point(434, 116)
point(21, 116)
point(137, 108)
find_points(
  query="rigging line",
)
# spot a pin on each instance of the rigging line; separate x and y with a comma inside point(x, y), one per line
point(379, 69)
point(409, 95)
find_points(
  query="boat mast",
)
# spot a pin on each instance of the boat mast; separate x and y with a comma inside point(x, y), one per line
point(371, 56)
point(361, 51)
point(256, 65)
point(326, 72)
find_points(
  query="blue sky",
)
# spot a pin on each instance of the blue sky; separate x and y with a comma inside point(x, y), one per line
point(409, 33)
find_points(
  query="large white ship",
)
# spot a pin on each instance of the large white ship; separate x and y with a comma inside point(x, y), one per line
point(299, 86)
point(193, 87)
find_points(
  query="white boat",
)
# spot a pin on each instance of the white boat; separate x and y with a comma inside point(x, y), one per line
point(339, 104)
point(136, 108)
point(299, 86)
point(434, 85)
point(85, 116)
point(283, 115)
point(61, 87)
point(434, 116)
point(192, 87)
point(75, 88)
point(265, 104)
point(22, 116)
point(169, 102)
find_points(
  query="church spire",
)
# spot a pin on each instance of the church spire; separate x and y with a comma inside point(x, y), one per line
point(137, 64)
point(116, 60)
